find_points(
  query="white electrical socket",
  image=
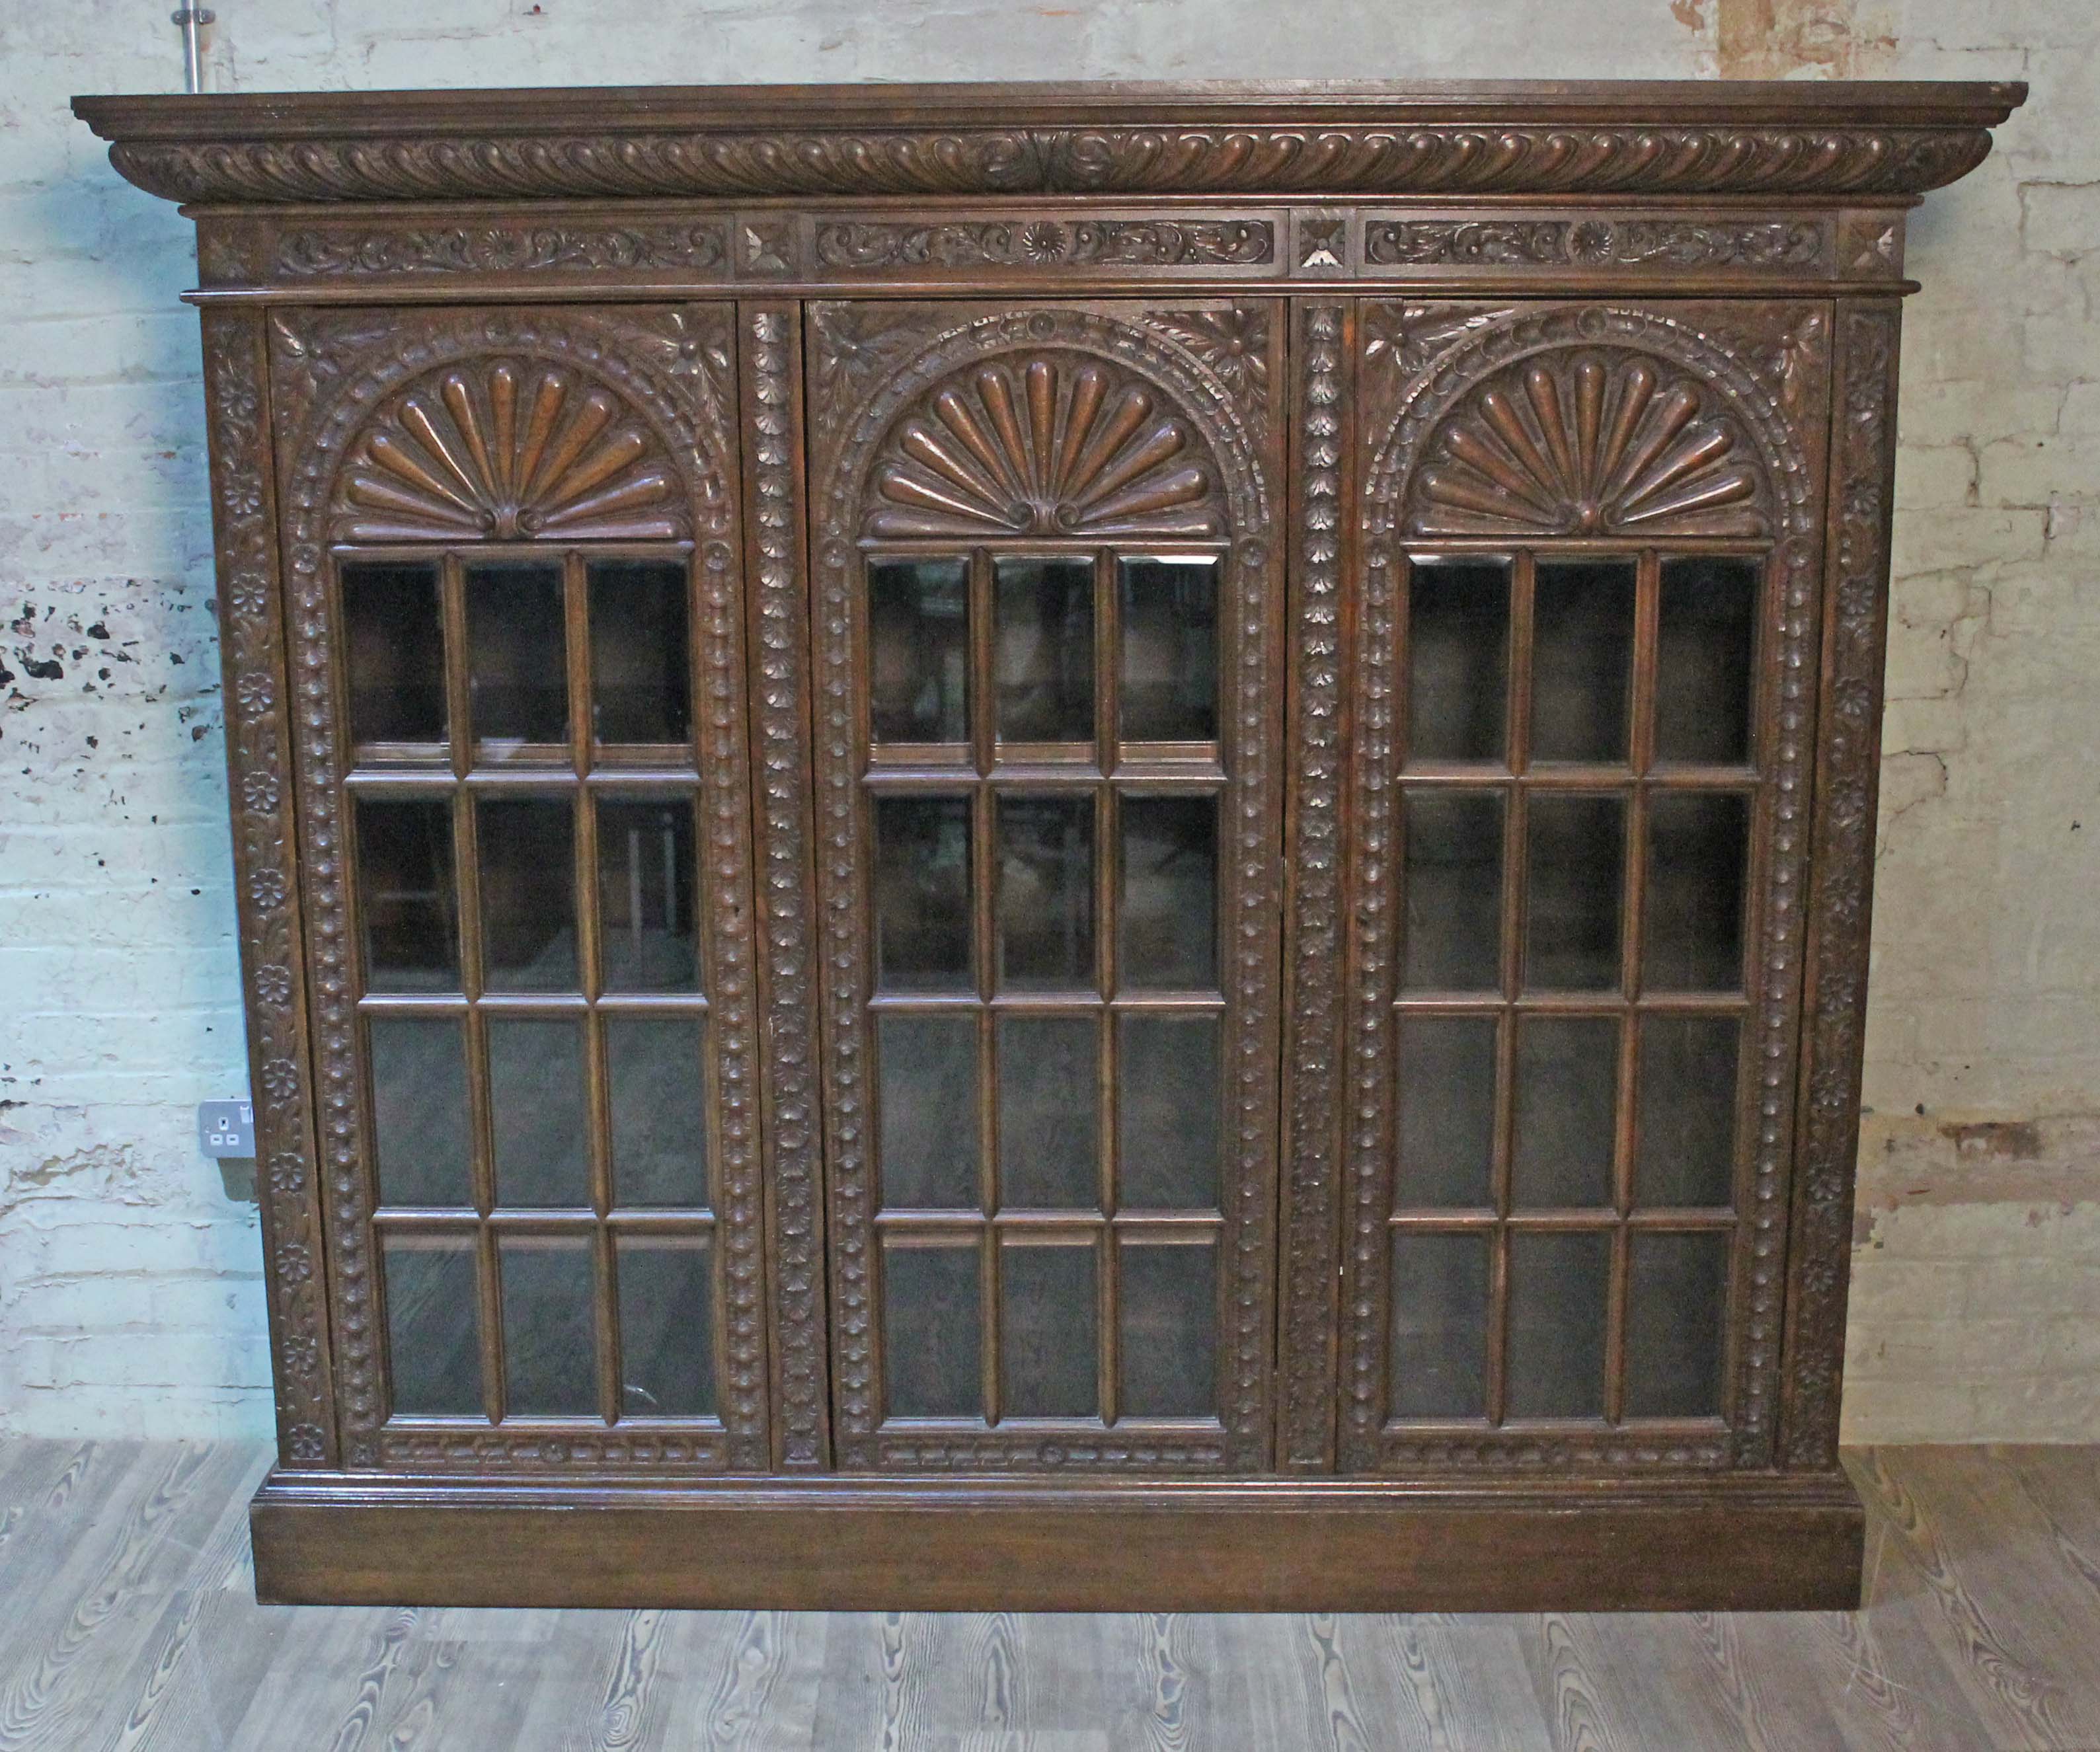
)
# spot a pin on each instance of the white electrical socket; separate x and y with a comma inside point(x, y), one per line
point(226, 1127)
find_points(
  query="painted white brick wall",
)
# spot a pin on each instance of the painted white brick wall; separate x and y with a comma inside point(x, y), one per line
point(130, 1300)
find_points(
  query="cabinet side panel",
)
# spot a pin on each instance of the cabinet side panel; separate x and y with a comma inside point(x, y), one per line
point(266, 865)
point(1841, 894)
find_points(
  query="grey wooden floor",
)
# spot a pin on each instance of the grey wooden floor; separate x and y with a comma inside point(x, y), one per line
point(127, 1620)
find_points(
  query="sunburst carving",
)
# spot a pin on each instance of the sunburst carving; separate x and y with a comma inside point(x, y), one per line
point(503, 448)
point(1052, 446)
point(1590, 443)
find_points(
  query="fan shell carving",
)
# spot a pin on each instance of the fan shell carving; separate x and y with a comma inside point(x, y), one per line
point(1055, 445)
point(1590, 443)
point(503, 448)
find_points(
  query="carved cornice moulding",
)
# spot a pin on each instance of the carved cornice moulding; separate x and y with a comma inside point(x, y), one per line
point(1892, 140)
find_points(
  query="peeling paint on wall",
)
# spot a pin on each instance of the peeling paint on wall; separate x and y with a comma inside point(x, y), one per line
point(1782, 39)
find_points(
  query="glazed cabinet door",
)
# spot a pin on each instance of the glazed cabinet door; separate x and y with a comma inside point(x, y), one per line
point(516, 645)
point(1047, 713)
point(1587, 546)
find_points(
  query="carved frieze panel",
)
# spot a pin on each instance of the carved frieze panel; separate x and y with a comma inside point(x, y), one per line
point(1042, 244)
point(1799, 246)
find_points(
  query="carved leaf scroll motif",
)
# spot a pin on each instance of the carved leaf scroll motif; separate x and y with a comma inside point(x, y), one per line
point(1590, 443)
point(1051, 445)
point(502, 448)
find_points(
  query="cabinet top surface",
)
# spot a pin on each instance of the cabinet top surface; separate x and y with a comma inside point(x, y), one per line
point(1675, 138)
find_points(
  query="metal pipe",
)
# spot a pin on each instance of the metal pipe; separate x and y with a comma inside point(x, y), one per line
point(192, 18)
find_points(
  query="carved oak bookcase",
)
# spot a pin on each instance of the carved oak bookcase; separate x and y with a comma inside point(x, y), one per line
point(1074, 846)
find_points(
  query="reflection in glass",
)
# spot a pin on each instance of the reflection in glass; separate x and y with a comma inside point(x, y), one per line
point(1581, 660)
point(641, 687)
point(1049, 1086)
point(517, 647)
point(549, 1338)
point(1169, 690)
point(419, 1110)
point(918, 650)
point(1167, 877)
point(393, 651)
point(647, 906)
point(1447, 1110)
point(1169, 1334)
point(922, 894)
point(1168, 1109)
point(434, 1354)
point(536, 1098)
point(1458, 661)
point(1453, 891)
point(1698, 848)
point(1557, 1286)
point(1440, 1325)
point(528, 904)
point(1044, 658)
point(656, 1087)
point(1049, 1331)
point(1687, 1111)
point(1677, 1295)
point(666, 1319)
point(928, 1105)
point(933, 1330)
point(404, 894)
point(1045, 891)
point(1567, 1094)
point(1706, 648)
point(1574, 858)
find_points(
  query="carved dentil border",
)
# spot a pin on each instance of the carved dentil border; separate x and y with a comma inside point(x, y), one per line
point(258, 736)
point(335, 369)
point(1343, 158)
point(1458, 358)
point(871, 364)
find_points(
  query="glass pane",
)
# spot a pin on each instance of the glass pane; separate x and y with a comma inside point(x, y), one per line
point(1447, 1110)
point(922, 894)
point(1168, 885)
point(1440, 1325)
point(1698, 849)
point(1045, 654)
point(516, 652)
point(1458, 660)
point(1049, 1091)
point(549, 1336)
point(929, 1109)
point(647, 906)
point(1575, 856)
point(1705, 651)
point(393, 650)
point(918, 650)
point(667, 1323)
point(1567, 1094)
point(404, 894)
point(433, 1352)
point(1046, 893)
point(536, 1099)
point(1556, 1324)
point(1169, 1336)
point(1454, 892)
point(656, 1084)
point(1170, 650)
point(1049, 1332)
point(933, 1330)
point(1677, 1296)
point(419, 1110)
point(641, 682)
point(1167, 1111)
point(1687, 1111)
point(528, 893)
point(1581, 660)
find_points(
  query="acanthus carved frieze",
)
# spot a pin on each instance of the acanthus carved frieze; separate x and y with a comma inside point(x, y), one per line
point(1045, 244)
point(379, 251)
point(1800, 245)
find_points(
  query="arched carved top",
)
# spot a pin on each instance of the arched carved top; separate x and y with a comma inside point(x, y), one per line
point(1590, 442)
point(1045, 443)
point(504, 447)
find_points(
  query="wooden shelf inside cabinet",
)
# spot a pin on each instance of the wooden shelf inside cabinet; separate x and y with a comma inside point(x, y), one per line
point(1129, 826)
